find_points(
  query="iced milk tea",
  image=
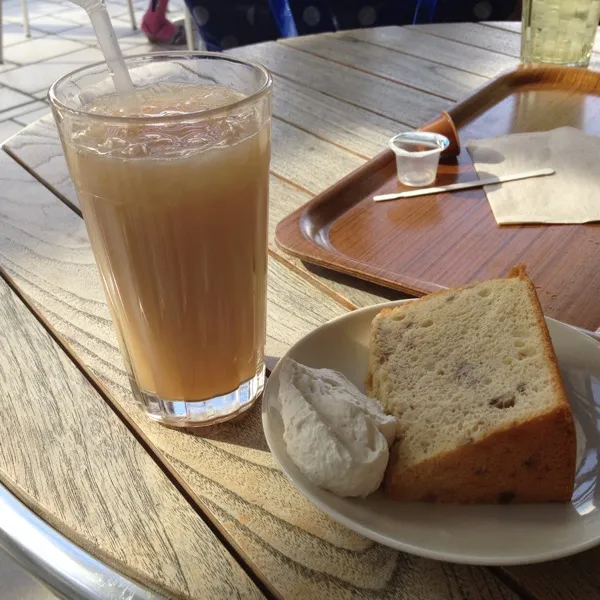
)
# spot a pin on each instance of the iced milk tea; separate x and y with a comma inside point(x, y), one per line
point(176, 212)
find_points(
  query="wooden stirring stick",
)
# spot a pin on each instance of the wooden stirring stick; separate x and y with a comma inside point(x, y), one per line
point(464, 186)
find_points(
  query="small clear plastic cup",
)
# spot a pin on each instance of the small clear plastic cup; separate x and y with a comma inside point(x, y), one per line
point(417, 156)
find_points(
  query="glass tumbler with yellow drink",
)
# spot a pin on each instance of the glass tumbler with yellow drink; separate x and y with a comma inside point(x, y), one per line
point(173, 186)
point(559, 31)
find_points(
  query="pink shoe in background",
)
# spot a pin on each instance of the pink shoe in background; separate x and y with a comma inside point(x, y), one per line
point(158, 29)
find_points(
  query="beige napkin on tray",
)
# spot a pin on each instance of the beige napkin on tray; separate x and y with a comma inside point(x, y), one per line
point(571, 195)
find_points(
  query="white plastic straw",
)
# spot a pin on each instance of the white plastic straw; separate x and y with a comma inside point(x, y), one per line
point(109, 45)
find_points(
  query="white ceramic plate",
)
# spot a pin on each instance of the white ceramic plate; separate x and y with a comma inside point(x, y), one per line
point(481, 534)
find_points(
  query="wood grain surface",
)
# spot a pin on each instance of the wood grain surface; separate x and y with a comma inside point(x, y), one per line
point(307, 161)
point(478, 61)
point(480, 35)
point(386, 98)
point(503, 38)
point(67, 455)
point(294, 548)
point(439, 80)
point(420, 246)
point(38, 148)
point(351, 127)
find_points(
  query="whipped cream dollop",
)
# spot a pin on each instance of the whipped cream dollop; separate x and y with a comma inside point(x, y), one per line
point(338, 437)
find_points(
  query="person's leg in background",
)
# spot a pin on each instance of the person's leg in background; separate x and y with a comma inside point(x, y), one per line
point(158, 28)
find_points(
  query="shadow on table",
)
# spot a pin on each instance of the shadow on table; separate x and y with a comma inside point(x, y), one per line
point(245, 430)
point(359, 284)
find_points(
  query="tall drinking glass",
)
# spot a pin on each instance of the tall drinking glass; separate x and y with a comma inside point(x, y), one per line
point(559, 31)
point(173, 186)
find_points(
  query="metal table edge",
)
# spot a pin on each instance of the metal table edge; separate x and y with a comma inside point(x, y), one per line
point(50, 557)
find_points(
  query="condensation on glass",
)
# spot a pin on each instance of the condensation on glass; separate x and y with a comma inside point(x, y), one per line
point(559, 31)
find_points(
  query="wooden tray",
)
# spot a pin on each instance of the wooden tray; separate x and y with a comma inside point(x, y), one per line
point(423, 244)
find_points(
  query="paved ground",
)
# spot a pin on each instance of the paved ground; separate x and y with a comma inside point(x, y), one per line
point(61, 41)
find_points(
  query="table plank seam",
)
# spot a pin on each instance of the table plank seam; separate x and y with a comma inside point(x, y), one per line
point(513, 583)
point(292, 563)
point(470, 44)
point(32, 172)
point(282, 522)
point(338, 98)
point(343, 301)
point(230, 546)
point(289, 44)
point(514, 586)
point(319, 137)
point(291, 182)
point(497, 25)
point(433, 62)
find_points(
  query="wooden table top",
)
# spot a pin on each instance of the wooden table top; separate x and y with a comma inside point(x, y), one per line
point(208, 514)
